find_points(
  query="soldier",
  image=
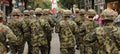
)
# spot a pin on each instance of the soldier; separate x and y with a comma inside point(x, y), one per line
point(117, 24)
point(87, 26)
point(34, 33)
point(32, 14)
point(60, 17)
point(46, 28)
point(49, 17)
point(37, 37)
point(51, 20)
point(27, 29)
point(79, 19)
point(60, 13)
point(16, 25)
point(5, 34)
point(76, 14)
point(105, 35)
point(66, 30)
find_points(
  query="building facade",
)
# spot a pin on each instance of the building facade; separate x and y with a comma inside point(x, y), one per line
point(100, 5)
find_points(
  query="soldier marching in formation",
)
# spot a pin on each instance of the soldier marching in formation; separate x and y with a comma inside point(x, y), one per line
point(5, 33)
point(36, 27)
point(67, 31)
point(17, 25)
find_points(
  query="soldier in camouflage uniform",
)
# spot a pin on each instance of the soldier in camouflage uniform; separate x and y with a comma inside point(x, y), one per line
point(51, 20)
point(46, 28)
point(60, 17)
point(79, 19)
point(87, 26)
point(117, 24)
point(33, 33)
point(5, 34)
point(16, 25)
point(37, 37)
point(76, 14)
point(49, 17)
point(67, 30)
point(27, 29)
point(105, 35)
point(32, 14)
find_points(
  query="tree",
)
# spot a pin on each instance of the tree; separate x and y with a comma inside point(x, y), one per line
point(45, 4)
point(67, 3)
point(39, 3)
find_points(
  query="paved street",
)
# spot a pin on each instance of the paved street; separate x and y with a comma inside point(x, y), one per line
point(55, 45)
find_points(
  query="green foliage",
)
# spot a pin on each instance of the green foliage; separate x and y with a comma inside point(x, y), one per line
point(40, 3)
point(67, 3)
point(45, 4)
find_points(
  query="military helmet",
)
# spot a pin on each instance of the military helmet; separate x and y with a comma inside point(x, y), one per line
point(76, 10)
point(26, 12)
point(91, 12)
point(46, 11)
point(16, 12)
point(108, 14)
point(61, 11)
point(32, 12)
point(38, 11)
point(82, 11)
point(67, 13)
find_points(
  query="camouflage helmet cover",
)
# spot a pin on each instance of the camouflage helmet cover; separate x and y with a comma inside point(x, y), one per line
point(46, 11)
point(108, 14)
point(67, 13)
point(60, 11)
point(82, 11)
point(91, 12)
point(38, 11)
point(32, 12)
point(26, 12)
point(16, 12)
point(76, 10)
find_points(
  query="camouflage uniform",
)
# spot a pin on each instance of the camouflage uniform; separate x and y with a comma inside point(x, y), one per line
point(16, 25)
point(37, 37)
point(27, 29)
point(117, 24)
point(47, 15)
point(46, 28)
point(86, 28)
point(105, 35)
point(79, 19)
point(5, 33)
point(66, 30)
point(60, 17)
